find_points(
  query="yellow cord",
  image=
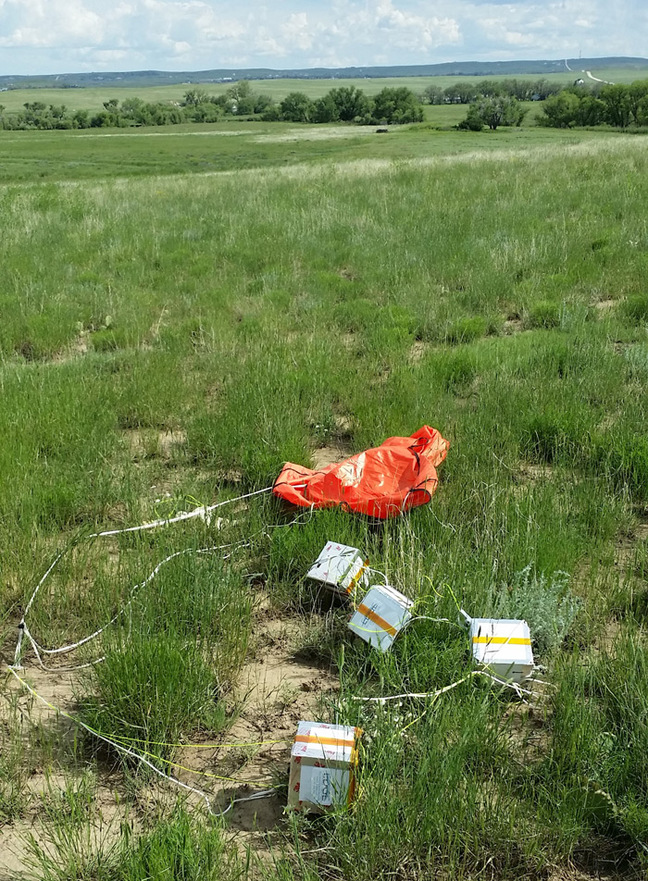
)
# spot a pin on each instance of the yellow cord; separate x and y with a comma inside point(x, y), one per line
point(123, 739)
point(117, 738)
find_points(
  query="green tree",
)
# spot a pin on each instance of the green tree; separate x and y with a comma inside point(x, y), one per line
point(461, 93)
point(111, 115)
point(240, 98)
point(206, 111)
point(272, 113)
point(618, 105)
point(491, 88)
point(297, 107)
point(638, 99)
point(560, 111)
point(59, 116)
point(543, 89)
point(325, 109)
point(262, 103)
point(590, 110)
point(494, 112)
point(81, 119)
point(396, 105)
point(194, 97)
point(350, 103)
point(433, 95)
point(132, 109)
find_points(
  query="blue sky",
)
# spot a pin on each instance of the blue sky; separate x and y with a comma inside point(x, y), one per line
point(63, 36)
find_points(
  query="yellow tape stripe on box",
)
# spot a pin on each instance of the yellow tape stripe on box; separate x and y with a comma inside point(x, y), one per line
point(502, 640)
point(324, 741)
point(384, 625)
point(356, 578)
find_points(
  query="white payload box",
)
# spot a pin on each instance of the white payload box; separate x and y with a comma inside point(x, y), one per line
point(502, 647)
point(323, 766)
point(341, 568)
point(381, 615)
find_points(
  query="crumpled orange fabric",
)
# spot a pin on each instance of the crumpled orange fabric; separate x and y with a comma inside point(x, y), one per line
point(382, 482)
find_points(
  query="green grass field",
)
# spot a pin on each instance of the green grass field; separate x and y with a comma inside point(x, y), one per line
point(236, 145)
point(183, 312)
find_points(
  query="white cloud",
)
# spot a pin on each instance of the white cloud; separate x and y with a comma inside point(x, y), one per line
point(51, 36)
point(297, 31)
point(44, 23)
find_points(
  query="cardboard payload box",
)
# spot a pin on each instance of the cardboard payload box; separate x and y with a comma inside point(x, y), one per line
point(340, 567)
point(323, 766)
point(380, 616)
point(502, 647)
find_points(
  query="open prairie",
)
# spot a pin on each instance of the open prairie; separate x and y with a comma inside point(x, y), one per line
point(184, 311)
point(92, 98)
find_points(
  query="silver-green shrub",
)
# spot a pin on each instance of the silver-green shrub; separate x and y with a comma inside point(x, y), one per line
point(545, 602)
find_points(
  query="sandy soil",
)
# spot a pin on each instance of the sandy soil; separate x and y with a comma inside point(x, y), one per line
point(274, 691)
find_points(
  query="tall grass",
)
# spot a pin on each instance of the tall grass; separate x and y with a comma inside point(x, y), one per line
point(168, 666)
point(256, 317)
point(71, 848)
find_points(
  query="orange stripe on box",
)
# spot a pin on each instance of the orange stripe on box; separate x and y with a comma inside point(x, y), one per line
point(502, 640)
point(384, 625)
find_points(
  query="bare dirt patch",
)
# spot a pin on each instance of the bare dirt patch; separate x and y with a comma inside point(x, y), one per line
point(513, 325)
point(339, 448)
point(628, 546)
point(275, 689)
point(57, 689)
point(49, 740)
point(146, 443)
point(605, 305)
point(417, 351)
point(77, 349)
point(529, 472)
point(609, 635)
point(330, 454)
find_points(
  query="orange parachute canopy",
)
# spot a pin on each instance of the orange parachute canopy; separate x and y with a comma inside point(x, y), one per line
point(382, 482)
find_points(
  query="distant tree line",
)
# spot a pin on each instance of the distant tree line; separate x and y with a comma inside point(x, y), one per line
point(350, 104)
point(343, 104)
point(492, 103)
point(196, 106)
point(468, 92)
point(619, 105)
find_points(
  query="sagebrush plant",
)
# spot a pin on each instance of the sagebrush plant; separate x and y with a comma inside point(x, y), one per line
point(544, 601)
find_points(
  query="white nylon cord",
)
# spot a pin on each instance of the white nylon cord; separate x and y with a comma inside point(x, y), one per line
point(203, 512)
point(425, 694)
point(435, 620)
point(39, 649)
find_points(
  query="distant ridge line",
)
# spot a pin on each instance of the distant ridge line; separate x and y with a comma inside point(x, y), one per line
point(220, 75)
